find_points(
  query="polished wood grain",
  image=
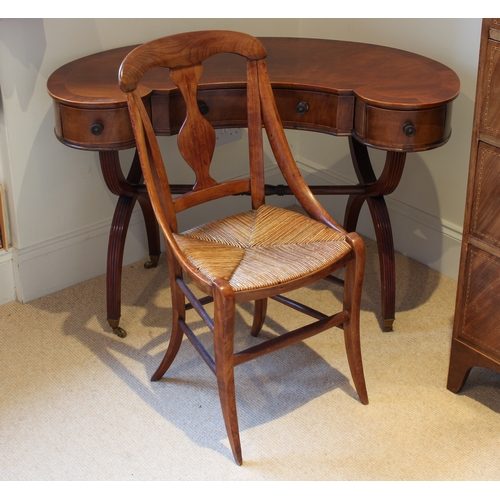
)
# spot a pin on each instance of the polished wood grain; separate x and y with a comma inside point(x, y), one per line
point(476, 331)
point(196, 143)
point(380, 97)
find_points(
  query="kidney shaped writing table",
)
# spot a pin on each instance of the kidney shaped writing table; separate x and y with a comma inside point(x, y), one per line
point(379, 97)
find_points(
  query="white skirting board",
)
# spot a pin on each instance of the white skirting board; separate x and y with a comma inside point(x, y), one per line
point(71, 259)
point(7, 286)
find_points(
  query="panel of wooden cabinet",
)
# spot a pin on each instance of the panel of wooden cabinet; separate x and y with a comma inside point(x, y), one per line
point(485, 223)
point(490, 92)
point(479, 320)
point(476, 329)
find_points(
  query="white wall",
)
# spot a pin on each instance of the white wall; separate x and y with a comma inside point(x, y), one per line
point(60, 209)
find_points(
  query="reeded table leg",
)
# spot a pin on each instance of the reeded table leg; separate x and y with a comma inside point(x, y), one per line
point(129, 191)
point(116, 245)
point(374, 192)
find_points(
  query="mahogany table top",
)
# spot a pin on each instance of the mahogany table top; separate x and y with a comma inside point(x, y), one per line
point(381, 76)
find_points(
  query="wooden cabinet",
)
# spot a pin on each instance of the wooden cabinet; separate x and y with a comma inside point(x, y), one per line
point(476, 330)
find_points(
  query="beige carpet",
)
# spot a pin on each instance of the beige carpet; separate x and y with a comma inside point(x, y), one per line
point(77, 404)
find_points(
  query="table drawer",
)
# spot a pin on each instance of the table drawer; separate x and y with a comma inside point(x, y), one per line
point(318, 111)
point(97, 129)
point(222, 108)
point(402, 130)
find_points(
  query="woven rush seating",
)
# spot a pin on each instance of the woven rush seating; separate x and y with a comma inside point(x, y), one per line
point(262, 247)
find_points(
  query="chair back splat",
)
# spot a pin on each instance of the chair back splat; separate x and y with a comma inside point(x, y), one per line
point(252, 256)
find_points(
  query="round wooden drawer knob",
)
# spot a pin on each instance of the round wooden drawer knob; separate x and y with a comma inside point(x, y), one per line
point(409, 129)
point(302, 108)
point(203, 107)
point(97, 128)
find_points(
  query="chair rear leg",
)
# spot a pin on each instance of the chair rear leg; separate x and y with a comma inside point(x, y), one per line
point(178, 313)
point(224, 320)
point(353, 284)
point(172, 350)
point(259, 316)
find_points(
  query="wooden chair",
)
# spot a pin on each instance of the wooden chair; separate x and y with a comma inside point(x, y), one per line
point(252, 256)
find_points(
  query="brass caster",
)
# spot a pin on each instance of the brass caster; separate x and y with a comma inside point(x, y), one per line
point(153, 262)
point(388, 325)
point(117, 330)
point(120, 332)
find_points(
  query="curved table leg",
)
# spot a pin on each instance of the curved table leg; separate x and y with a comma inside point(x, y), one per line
point(152, 231)
point(385, 244)
point(116, 245)
point(128, 190)
point(374, 192)
point(352, 210)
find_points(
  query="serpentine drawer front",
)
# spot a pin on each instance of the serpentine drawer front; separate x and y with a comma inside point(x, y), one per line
point(300, 109)
point(409, 130)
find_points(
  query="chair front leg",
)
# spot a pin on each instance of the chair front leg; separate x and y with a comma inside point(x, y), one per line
point(353, 284)
point(224, 321)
